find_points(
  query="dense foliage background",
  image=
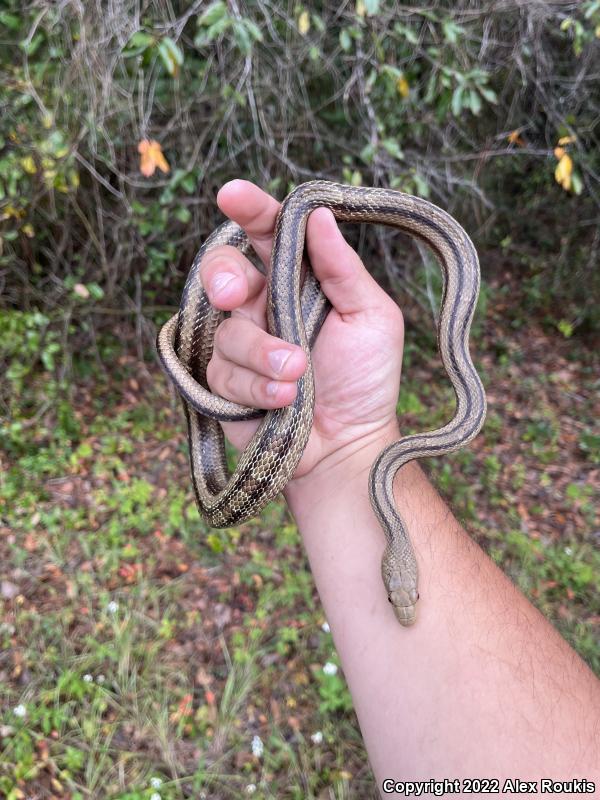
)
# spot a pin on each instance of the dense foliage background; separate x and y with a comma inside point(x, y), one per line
point(119, 121)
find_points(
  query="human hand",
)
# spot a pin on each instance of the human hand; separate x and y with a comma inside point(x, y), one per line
point(356, 359)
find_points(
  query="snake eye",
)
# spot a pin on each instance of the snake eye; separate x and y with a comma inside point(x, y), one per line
point(389, 599)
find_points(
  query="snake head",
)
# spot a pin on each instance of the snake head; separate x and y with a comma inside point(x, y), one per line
point(404, 604)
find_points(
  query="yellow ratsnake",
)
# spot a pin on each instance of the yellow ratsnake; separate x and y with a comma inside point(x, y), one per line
point(295, 313)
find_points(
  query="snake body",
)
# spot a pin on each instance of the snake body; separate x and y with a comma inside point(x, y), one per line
point(295, 313)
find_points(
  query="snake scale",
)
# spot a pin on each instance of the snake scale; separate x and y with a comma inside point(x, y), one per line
point(295, 312)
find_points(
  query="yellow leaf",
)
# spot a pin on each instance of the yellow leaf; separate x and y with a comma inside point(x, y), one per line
point(597, 31)
point(563, 172)
point(11, 211)
point(151, 157)
point(403, 86)
point(360, 8)
point(28, 230)
point(28, 165)
point(567, 140)
point(559, 152)
point(304, 23)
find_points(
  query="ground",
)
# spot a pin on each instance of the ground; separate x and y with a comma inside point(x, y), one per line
point(143, 655)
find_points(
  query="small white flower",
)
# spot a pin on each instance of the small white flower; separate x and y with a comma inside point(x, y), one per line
point(251, 788)
point(317, 737)
point(330, 668)
point(155, 783)
point(258, 747)
point(100, 679)
point(20, 711)
point(325, 627)
point(155, 796)
point(569, 551)
point(88, 678)
point(112, 607)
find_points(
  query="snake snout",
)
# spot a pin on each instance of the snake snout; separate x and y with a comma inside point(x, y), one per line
point(405, 605)
point(406, 615)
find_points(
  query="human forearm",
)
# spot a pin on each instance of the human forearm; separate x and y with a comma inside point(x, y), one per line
point(482, 684)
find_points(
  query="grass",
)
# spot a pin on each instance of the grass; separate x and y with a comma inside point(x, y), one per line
point(145, 656)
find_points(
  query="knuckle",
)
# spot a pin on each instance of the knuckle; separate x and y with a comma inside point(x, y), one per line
point(213, 373)
point(223, 333)
point(258, 391)
point(231, 383)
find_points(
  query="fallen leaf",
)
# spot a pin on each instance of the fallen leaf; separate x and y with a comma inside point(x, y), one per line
point(9, 590)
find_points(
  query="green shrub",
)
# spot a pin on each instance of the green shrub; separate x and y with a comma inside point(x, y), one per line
point(462, 104)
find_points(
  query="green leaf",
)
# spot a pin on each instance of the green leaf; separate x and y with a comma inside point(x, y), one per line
point(30, 46)
point(95, 290)
point(253, 29)
point(188, 184)
point(421, 185)
point(242, 37)
point(566, 328)
point(457, 100)
point(451, 31)
point(171, 55)
point(391, 72)
point(408, 33)
point(183, 214)
point(489, 94)
point(213, 540)
point(474, 102)
point(576, 183)
point(371, 7)
point(367, 153)
point(10, 21)
point(138, 43)
point(214, 13)
point(393, 148)
point(345, 40)
point(212, 32)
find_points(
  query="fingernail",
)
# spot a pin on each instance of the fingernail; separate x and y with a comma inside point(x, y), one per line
point(220, 281)
point(277, 359)
point(272, 387)
point(231, 183)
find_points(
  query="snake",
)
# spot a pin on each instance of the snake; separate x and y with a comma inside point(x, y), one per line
point(296, 310)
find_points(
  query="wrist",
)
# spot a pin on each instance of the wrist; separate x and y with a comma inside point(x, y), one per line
point(342, 467)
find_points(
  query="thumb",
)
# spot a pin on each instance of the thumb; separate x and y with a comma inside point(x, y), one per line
point(343, 277)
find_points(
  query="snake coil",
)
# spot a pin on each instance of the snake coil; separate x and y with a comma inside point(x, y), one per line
point(295, 313)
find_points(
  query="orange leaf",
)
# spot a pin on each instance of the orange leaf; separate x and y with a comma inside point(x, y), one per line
point(210, 698)
point(514, 138)
point(151, 157)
